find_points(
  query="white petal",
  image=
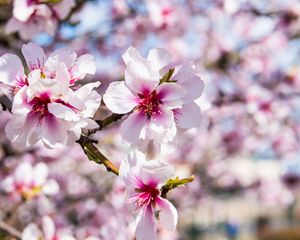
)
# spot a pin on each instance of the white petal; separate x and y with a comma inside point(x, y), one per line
point(23, 131)
point(32, 232)
point(66, 55)
point(171, 94)
point(168, 214)
point(146, 229)
point(63, 112)
point(66, 237)
point(34, 55)
point(51, 187)
point(11, 69)
point(156, 172)
point(7, 184)
point(85, 65)
point(127, 168)
point(159, 57)
point(191, 82)
point(141, 76)
point(163, 120)
point(131, 127)
point(24, 174)
point(119, 99)
point(188, 116)
point(40, 173)
point(90, 98)
point(22, 11)
point(54, 132)
point(131, 54)
point(48, 228)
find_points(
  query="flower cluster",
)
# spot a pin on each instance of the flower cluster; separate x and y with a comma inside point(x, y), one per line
point(51, 108)
point(45, 106)
point(35, 16)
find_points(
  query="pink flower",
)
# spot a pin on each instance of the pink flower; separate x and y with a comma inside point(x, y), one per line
point(143, 180)
point(32, 232)
point(155, 107)
point(33, 17)
point(29, 182)
point(45, 107)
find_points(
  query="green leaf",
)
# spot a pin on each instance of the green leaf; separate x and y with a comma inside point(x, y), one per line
point(167, 76)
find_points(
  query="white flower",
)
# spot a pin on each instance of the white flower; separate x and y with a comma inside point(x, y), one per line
point(156, 107)
point(29, 181)
point(32, 232)
point(143, 180)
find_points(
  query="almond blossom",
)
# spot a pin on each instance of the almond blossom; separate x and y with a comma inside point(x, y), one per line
point(33, 17)
point(143, 180)
point(155, 106)
point(32, 232)
point(45, 107)
point(30, 181)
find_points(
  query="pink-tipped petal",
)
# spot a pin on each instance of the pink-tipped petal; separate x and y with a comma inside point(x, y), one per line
point(34, 55)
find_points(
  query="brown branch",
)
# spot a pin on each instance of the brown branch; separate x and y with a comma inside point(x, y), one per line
point(105, 122)
point(10, 230)
point(95, 155)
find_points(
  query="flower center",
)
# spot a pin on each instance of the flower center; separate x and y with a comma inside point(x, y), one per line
point(40, 106)
point(145, 195)
point(149, 103)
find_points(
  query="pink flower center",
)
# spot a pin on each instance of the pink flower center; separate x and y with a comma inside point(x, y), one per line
point(149, 103)
point(145, 195)
point(40, 106)
point(166, 11)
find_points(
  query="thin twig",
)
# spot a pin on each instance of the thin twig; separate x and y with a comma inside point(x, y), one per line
point(105, 122)
point(95, 155)
point(10, 230)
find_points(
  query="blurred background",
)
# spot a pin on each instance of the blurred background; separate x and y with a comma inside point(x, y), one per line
point(246, 154)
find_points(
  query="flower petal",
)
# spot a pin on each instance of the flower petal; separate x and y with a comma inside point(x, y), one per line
point(24, 174)
point(156, 172)
point(40, 173)
point(188, 116)
point(34, 55)
point(119, 99)
point(54, 132)
point(131, 54)
point(32, 232)
point(51, 187)
point(159, 57)
point(48, 227)
point(11, 69)
point(171, 94)
point(146, 229)
point(66, 55)
point(168, 214)
point(141, 75)
point(63, 112)
point(131, 127)
point(90, 98)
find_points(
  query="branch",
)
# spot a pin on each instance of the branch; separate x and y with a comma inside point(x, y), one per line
point(10, 230)
point(95, 155)
point(105, 122)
